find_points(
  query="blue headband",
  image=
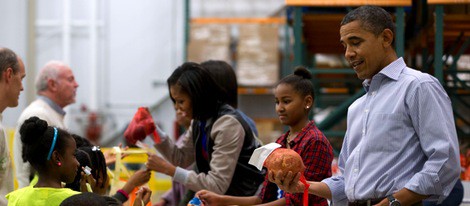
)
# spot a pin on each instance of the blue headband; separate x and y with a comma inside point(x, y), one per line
point(53, 144)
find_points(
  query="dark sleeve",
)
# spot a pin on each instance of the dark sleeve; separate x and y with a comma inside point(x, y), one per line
point(268, 192)
point(120, 197)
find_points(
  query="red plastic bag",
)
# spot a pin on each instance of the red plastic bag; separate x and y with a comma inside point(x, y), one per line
point(141, 125)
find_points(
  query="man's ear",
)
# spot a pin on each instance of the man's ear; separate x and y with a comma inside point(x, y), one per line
point(387, 36)
point(51, 84)
point(7, 74)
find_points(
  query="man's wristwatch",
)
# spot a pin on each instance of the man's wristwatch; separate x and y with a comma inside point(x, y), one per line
point(392, 201)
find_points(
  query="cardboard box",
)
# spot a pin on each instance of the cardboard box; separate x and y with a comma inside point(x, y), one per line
point(258, 55)
point(209, 41)
point(269, 130)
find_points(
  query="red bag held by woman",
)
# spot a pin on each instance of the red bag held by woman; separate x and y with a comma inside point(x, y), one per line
point(142, 124)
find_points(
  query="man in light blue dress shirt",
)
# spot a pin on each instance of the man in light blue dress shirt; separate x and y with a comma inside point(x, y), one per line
point(401, 144)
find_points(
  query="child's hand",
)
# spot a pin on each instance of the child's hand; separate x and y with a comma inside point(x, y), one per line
point(209, 198)
point(87, 179)
point(142, 196)
point(110, 156)
point(139, 178)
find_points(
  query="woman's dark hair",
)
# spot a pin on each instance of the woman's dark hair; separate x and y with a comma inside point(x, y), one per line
point(301, 81)
point(225, 77)
point(90, 199)
point(92, 157)
point(37, 139)
point(205, 94)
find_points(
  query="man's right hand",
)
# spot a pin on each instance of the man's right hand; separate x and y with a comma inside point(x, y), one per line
point(287, 181)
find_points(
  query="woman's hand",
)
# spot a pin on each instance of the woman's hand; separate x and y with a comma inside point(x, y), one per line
point(158, 164)
point(87, 179)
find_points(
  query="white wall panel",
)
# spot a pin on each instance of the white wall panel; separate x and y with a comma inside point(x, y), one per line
point(13, 27)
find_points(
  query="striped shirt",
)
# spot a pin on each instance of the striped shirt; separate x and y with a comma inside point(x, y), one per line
point(400, 134)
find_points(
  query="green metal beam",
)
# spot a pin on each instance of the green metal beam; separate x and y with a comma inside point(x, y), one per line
point(439, 44)
point(456, 57)
point(298, 45)
point(187, 19)
point(400, 31)
point(339, 113)
point(286, 68)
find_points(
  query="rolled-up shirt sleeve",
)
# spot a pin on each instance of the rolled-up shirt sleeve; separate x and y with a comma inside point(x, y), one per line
point(336, 183)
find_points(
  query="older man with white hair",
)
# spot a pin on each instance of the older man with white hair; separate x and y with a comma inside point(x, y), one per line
point(56, 88)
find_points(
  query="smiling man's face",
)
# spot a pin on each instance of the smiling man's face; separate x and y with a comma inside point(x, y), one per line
point(364, 50)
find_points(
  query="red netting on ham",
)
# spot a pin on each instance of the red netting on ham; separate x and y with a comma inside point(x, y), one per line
point(141, 125)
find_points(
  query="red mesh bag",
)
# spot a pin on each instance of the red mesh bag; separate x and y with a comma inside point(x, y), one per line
point(288, 160)
point(141, 125)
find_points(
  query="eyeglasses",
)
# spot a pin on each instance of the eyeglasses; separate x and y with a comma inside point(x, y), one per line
point(95, 148)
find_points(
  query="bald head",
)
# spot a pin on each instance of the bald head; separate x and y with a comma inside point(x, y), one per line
point(49, 71)
point(56, 81)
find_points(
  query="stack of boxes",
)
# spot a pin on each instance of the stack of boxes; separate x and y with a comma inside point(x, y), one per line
point(209, 41)
point(257, 55)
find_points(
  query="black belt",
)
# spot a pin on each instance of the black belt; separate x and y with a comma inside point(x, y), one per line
point(365, 202)
point(373, 202)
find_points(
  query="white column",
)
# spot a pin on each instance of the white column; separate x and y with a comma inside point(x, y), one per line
point(66, 33)
point(94, 73)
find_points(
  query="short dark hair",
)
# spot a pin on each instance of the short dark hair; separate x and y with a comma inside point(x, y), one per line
point(81, 141)
point(205, 94)
point(8, 59)
point(37, 138)
point(373, 19)
point(301, 81)
point(225, 77)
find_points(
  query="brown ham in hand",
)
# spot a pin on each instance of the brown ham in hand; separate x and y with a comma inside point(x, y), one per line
point(285, 160)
